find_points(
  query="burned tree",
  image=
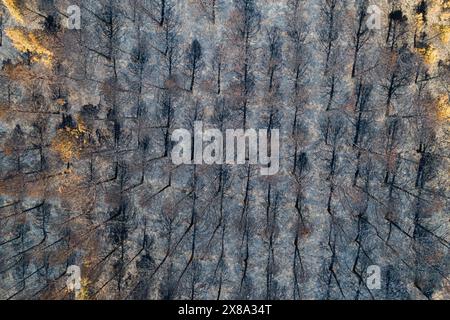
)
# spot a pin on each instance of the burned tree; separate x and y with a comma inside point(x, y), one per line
point(194, 59)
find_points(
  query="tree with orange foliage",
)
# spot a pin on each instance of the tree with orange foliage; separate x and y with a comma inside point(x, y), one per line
point(69, 142)
point(14, 7)
point(28, 42)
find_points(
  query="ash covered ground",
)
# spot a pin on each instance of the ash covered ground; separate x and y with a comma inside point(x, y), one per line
point(87, 180)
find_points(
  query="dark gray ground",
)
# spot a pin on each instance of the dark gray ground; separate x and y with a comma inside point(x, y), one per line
point(87, 179)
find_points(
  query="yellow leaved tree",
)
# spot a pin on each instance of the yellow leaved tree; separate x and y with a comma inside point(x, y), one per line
point(84, 291)
point(69, 142)
point(14, 8)
point(25, 41)
point(442, 27)
point(437, 13)
point(443, 106)
point(444, 33)
point(430, 54)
